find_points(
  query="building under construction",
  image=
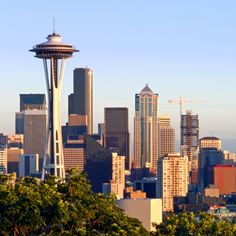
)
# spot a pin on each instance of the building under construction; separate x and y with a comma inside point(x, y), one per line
point(190, 141)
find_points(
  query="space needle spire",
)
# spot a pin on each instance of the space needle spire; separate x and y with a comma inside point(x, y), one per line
point(54, 53)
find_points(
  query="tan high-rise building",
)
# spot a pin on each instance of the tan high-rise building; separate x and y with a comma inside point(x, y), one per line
point(166, 136)
point(118, 175)
point(172, 179)
point(81, 101)
point(146, 129)
point(35, 132)
point(74, 153)
point(210, 142)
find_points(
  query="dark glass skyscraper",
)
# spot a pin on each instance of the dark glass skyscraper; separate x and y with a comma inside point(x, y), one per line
point(116, 132)
point(81, 101)
point(32, 101)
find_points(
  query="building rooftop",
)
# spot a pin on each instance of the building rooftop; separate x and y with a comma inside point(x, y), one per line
point(146, 91)
point(209, 138)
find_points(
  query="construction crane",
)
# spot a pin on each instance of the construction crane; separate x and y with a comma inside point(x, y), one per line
point(181, 101)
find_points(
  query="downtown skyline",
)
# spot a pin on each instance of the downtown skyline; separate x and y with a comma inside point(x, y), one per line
point(186, 50)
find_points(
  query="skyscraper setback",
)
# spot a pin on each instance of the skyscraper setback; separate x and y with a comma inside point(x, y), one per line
point(116, 132)
point(81, 101)
point(146, 129)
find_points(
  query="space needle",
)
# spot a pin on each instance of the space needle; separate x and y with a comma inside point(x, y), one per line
point(54, 53)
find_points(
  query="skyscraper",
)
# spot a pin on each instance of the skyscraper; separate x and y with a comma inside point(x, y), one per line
point(190, 142)
point(35, 133)
point(116, 132)
point(166, 136)
point(81, 101)
point(28, 102)
point(172, 179)
point(55, 52)
point(146, 129)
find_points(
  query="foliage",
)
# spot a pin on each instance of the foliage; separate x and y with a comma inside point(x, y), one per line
point(70, 208)
point(186, 224)
point(61, 208)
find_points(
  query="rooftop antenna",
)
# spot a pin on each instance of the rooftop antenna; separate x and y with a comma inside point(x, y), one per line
point(54, 25)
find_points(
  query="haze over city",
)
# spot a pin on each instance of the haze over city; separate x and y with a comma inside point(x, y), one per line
point(181, 49)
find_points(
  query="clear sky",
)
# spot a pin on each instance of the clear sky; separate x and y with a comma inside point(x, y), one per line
point(180, 48)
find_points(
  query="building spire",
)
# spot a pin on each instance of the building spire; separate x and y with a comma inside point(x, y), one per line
point(54, 25)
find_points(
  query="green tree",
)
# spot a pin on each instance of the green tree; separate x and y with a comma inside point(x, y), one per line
point(61, 208)
point(186, 224)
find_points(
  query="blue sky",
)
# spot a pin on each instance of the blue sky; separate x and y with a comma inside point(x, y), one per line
point(180, 48)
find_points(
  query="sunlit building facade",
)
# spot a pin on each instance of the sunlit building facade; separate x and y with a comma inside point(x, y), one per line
point(146, 129)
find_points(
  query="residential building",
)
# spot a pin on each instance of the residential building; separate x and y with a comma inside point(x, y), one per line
point(146, 129)
point(3, 159)
point(172, 179)
point(116, 132)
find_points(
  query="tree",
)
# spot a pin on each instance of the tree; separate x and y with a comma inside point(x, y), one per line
point(61, 208)
point(186, 224)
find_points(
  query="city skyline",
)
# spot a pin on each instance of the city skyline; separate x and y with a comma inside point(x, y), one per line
point(187, 49)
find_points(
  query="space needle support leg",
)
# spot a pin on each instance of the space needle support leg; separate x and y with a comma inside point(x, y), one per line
point(61, 76)
point(47, 137)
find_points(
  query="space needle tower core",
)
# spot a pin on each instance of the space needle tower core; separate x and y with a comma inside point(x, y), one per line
point(54, 53)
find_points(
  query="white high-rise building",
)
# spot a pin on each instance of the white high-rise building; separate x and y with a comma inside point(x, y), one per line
point(146, 129)
point(3, 159)
point(28, 164)
point(172, 179)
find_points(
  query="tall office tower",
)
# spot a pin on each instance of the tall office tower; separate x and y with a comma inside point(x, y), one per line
point(166, 136)
point(190, 143)
point(116, 132)
point(14, 150)
point(56, 52)
point(210, 142)
point(3, 159)
point(35, 133)
point(28, 165)
point(32, 101)
point(146, 129)
point(208, 157)
point(81, 101)
point(28, 102)
point(172, 179)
